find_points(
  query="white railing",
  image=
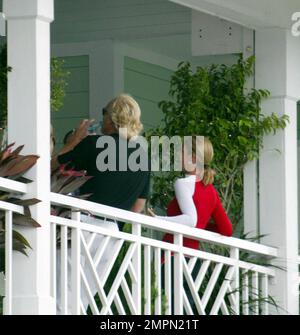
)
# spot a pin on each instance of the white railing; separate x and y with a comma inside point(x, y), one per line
point(115, 272)
point(9, 208)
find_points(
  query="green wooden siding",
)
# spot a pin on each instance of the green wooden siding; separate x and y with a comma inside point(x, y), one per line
point(76, 103)
point(148, 84)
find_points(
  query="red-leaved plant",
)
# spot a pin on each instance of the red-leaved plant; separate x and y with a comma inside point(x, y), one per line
point(13, 165)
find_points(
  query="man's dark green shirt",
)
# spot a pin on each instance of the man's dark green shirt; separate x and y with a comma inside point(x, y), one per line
point(117, 188)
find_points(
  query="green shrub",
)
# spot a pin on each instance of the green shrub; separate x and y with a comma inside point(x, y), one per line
point(213, 102)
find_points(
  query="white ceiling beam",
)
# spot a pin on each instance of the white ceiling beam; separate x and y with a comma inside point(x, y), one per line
point(252, 14)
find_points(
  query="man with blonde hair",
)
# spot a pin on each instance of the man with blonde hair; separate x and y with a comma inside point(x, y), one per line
point(121, 188)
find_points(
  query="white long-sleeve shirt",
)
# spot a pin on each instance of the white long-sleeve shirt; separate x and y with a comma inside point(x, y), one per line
point(184, 192)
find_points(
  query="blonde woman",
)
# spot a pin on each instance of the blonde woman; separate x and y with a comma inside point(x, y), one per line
point(196, 200)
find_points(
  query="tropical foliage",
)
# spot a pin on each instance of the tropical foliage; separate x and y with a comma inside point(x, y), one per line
point(13, 165)
point(59, 83)
point(213, 102)
point(65, 180)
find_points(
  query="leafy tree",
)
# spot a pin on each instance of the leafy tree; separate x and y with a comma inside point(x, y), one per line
point(58, 84)
point(213, 102)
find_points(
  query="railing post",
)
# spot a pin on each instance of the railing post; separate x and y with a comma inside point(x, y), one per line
point(168, 281)
point(157, 267)
point(245, 292)
point(234, 254)
point(8, 263)
point(28, 53)
point(265, 294)
point(178, 276)
point(137, 263)
point(64, 269)
point(53, 240)
point(75, 266)
point(147, 280)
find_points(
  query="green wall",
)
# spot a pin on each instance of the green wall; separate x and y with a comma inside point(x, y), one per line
point(76, 103)
point(148, 84)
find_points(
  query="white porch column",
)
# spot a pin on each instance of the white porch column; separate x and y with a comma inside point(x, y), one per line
point(278, 70)
point(29, 124)
point(250, 171)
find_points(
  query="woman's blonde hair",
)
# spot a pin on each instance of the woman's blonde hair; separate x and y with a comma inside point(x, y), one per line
point(125, 114)
point(209, 173)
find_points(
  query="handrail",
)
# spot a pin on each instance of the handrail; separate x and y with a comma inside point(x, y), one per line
point(9, 185)
point(13, 186)
point(7, 206)
point(161, 244)
point(159, 224)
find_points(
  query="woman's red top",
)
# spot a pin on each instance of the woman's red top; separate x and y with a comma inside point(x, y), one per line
point(208, 205)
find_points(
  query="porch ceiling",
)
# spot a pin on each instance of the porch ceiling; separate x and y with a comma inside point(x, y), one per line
point(158, 26)
point(252, 14)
